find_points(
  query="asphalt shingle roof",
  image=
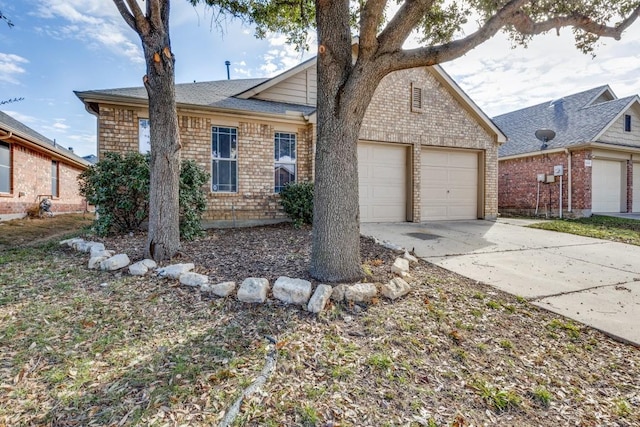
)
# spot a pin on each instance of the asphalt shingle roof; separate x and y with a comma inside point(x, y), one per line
point(220, 94)
point(10, 124)
point(572, 118)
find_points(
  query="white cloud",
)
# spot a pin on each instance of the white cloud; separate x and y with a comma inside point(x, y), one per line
point(10, 67)
point(283, 56)
point(94, 24)
point(23, 118)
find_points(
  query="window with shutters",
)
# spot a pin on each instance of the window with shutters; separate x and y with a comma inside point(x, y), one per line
point(416, 98)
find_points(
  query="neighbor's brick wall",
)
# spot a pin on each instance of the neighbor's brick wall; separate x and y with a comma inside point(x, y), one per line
point(31, 172)
point(443, 122)
point(255, 198)
point(518, 185)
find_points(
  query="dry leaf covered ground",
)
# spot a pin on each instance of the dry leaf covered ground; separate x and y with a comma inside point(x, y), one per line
point(81, 348)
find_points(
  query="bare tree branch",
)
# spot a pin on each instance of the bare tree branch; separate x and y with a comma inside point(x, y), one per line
point(525, 25)
point(155, 14)
point(126, 14)
point(142, 24)
point(510, 14)
point(402, 24)
point(369, 22)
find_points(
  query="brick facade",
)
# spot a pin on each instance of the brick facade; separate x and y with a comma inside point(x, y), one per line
point(444, 122)
point(518, 184)
point(32, 181)
point(255, 199)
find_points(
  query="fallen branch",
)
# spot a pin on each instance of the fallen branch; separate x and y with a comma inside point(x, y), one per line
point(267, 371)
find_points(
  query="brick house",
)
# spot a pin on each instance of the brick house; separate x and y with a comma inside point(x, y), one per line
point(595, 155)
point(33, 167)
point(426, 151)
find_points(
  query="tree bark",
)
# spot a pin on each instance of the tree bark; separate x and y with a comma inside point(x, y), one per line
point(344, 92)
point(163, 240)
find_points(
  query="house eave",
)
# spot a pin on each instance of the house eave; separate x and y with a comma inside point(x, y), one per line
point(576, 147)
point(289, 116)
point(17, 137)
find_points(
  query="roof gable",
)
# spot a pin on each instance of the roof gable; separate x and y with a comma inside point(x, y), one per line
point(576, 119)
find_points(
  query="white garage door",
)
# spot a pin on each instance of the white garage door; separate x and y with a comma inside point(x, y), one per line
point(636, 188)
point(382, 173)
point(449, 186)
point(606, 185)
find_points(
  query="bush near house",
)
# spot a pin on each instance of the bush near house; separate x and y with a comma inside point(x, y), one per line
point(297, 201)
point(118, 186)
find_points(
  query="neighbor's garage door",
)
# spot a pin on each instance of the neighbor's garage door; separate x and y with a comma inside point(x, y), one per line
point(636, 188)
point(606, 184)
point(449, 185)
point(382, 174)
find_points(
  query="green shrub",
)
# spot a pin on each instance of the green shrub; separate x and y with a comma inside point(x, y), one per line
point(297, 201)
point(192, 200)
point(118, 186)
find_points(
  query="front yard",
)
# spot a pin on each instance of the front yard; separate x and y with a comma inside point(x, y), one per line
point(601, 227)
point(82, 348)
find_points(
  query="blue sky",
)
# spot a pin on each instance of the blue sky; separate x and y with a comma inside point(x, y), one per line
point(58, 46)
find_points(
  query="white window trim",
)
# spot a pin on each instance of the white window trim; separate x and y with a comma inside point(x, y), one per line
point(294, 163)
point(235, 160)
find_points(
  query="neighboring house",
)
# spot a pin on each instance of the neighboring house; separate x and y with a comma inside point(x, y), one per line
point(426, 150)
point(32, 168)
point(597, 143)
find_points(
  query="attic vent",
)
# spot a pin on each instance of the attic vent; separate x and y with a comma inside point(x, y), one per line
point(416, 98)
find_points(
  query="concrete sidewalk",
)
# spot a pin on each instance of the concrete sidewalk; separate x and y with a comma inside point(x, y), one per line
point(593, 281)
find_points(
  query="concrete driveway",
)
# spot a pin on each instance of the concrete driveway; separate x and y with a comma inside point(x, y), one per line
point(592, 281)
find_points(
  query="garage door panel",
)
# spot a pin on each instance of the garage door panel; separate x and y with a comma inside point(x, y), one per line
point(382, 181)
point(449, 187)
point(636, 188)
point(606, 185)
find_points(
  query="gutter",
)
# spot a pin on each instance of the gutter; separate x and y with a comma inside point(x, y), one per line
point(7, 136)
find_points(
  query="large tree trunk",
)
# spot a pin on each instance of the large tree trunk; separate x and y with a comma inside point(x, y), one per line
point(344, 92)
point(163, 240)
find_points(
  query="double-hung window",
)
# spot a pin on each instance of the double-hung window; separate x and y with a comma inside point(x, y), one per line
point(54, 179)
point(5, 168)
point(285, 159)
point(224, 159)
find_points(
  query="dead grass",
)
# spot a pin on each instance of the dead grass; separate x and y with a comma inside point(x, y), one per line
point(33, 231)
point(80, 348)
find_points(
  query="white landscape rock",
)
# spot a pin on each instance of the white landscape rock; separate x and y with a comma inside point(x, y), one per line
point(338, 292)
point(194, 279)
point(361, 292)
point(253, 290)
point(116, 262)
point(149, 263)
point(396, 288)
point(292, 291)
point(95, 247)
point(175, 271)
point(223, 289)
point(410, 257)
point(71, 242)
point(94, 261)
point(400, 266)
point(104, 253)
point(392, 246)
point(319, 298)
point(138, 269)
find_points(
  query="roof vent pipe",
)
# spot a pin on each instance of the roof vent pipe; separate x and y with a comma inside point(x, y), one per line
point(227, 63)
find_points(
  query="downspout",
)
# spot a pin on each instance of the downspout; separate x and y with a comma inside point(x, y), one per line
point(569, 184)
point(7, 136)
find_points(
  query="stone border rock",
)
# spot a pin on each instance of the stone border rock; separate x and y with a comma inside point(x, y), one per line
point(254, 290)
